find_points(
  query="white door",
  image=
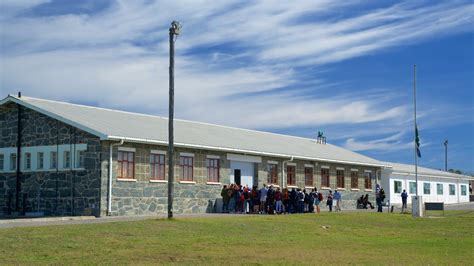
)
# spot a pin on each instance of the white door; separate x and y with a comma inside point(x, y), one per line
point(246, 173)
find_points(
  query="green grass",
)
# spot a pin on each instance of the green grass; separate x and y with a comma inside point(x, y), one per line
point(336, 238)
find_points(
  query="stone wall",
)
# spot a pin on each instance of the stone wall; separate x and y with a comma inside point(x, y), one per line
point(51, 191)
point(145, 196)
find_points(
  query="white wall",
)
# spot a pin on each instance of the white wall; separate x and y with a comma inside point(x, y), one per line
point(388, 183)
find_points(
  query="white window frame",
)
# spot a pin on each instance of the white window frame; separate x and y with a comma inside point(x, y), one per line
point(2, 162)
point(66, 159)
point(40, 160)
point(13, 162)
point(27, 161)
point(53, 164)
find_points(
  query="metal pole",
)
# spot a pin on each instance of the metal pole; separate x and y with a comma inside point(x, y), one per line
point(416, 153)
point(446, 155)
point(170, 128)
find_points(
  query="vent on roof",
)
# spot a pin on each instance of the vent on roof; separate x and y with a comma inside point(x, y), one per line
point(321, 138)
point(19, 94)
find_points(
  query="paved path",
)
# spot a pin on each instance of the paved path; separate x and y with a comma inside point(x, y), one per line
point(28, 222)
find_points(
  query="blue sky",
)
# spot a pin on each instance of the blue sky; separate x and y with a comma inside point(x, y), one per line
point(343, 67)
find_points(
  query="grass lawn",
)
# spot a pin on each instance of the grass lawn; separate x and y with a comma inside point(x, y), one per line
point(335, 238)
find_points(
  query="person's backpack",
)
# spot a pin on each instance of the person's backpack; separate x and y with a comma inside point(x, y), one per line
point(301, 196)
point(320, 196)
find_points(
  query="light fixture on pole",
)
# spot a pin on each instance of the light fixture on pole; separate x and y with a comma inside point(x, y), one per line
point(446, 155)
point(174, 31)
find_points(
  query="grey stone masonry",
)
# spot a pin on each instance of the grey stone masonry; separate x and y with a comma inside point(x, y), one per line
point(57, 191)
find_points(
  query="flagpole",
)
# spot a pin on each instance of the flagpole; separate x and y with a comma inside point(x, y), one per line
point(416, 129)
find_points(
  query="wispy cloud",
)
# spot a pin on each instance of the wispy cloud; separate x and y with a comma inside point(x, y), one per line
point(257, 65)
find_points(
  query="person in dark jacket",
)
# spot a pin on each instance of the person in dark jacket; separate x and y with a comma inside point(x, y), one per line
point(293, 200)
point(329, 200)
point(404, 200)
point(225, 199)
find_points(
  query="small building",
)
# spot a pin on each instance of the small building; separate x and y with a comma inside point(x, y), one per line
point(433, 185)
point(60, 158)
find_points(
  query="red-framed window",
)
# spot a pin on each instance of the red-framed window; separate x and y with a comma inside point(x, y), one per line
point(272, 173)
point(308, 176)
point(340, 178)
point(354, 179)
point(157, 165)
point(212, 166)
point(290, 175)
point(324, 177)
point(186, 168)
point(368, 180)
point(126, 164)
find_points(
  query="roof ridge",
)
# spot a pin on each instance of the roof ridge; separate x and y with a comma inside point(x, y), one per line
point(176, 119)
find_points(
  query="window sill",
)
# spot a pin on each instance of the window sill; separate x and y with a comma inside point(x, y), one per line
point(369, 190)
point(292, 186)
point(158, 181)
point(340, 189)
point(307, 187)
point(186, 182)
point(126, 180)
point(355, 189)
point(325, 188)
point(274, 185)
point(214, 183)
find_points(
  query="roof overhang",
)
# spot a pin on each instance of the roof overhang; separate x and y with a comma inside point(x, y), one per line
point(18, 101)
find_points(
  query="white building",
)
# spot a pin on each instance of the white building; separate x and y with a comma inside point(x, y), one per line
point(433, 185)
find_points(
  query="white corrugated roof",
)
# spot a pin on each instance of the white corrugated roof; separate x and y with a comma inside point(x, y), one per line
point(410, 169)
point(112, 124)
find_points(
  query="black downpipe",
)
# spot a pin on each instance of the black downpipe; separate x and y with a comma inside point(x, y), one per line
point(18, 160)
point(57, 167)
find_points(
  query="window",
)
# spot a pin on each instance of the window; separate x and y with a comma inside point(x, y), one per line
point(27, 161)
point(53, 162)
point(397, 185)
point(463, 190)
point(2, 160)
point(186, 168)
point(80, 159)
point(340, 178)
point(13, 161)
point(426, 188)
point(324, 177)
point(354, 179)
point(308, 176)
point(439, 189)
point(126, 165)
point(67, 159)
point(452, 190)
point(40, 160)
point(290, 175)
point(212, 166)
point(368, 180)
point(157, 165)
point(272, 173)
point(412, 187)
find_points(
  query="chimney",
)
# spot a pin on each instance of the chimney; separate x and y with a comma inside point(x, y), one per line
point(19, 94)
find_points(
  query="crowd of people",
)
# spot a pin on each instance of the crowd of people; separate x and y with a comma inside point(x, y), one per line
point(272, 200)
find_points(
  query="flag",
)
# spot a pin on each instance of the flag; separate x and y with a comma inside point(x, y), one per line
point(417, 141)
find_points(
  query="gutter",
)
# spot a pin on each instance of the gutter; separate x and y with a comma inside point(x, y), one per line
point(109, 196)
point(283, 184)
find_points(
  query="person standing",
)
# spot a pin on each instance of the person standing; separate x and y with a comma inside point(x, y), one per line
point(270, 200)
point(404, 200)
point(225, 199)
point(329, 200)
point(378, 198)
point(300, 207)
point(263, 198)
point(278, 199)
point(338, 198)
point(286, 200)
point(293, 200)
point(317, 201)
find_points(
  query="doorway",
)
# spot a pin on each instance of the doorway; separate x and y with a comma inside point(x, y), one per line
point(237, 177)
